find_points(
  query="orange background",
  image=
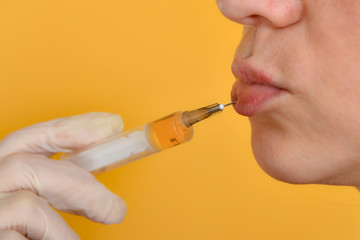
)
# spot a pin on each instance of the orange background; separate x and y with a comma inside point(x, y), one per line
point(144, 60)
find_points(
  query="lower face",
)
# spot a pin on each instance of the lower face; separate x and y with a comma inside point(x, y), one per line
point(309, 131)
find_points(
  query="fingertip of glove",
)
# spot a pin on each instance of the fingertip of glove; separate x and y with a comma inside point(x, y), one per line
point(81, 130)
point(117, 122)
point(122, 211)
point(110, 120)
point(110, 123)
point(117, 212)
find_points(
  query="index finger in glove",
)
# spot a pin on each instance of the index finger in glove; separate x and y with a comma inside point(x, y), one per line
point(62, 135)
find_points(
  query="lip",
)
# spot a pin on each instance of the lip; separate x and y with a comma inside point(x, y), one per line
point(253, 90)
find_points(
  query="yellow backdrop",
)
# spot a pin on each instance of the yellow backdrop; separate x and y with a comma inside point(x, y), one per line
point(145, 59)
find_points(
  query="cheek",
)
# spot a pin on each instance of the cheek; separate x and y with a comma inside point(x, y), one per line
point(315, 134)
point(330, 86)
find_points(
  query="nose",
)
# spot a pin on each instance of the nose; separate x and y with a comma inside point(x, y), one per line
point(280, 13)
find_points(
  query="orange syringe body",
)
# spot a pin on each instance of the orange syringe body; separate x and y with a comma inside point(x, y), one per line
point(142, 141)
point(134, 144)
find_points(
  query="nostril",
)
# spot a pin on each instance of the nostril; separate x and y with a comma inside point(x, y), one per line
point(252, 19)
point(278, 13)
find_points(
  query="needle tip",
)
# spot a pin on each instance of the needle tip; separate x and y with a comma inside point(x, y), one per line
point(229, 104)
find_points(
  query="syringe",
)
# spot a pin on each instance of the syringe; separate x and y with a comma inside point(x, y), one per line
point(153, 137)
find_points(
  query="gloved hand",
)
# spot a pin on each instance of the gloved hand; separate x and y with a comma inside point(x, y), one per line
point(30, 181)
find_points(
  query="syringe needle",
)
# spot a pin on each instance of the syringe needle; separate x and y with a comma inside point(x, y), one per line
point(197, 115)
point(229, 104)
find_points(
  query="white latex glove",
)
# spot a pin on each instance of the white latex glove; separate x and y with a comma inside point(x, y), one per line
point(30, 181)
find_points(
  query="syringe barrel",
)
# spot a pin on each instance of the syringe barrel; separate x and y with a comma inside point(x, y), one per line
point(133, 144)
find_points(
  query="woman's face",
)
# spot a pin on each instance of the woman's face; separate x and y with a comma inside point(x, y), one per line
point(298, 79)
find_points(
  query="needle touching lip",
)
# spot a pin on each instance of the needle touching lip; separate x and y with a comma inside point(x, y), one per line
point(229, 104)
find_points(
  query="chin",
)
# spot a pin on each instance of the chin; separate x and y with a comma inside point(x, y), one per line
point(286, 157)
point(281, 168)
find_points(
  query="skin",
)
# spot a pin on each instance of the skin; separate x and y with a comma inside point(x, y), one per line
point(311, 48)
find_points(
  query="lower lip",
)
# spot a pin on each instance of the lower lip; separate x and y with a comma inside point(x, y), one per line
point(254, 98)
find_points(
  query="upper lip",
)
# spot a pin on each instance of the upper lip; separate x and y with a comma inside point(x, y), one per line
point(246, 73)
